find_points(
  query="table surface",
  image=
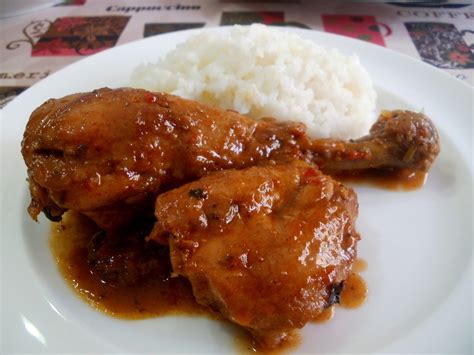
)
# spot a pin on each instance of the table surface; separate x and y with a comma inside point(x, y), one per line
point(35, 44)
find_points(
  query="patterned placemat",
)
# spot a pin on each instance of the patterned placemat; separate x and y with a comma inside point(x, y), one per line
point(34, 45)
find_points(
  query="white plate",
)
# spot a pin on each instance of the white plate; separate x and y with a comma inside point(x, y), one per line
point(417, 244)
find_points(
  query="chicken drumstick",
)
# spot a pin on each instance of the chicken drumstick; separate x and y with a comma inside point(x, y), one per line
point(109, 153)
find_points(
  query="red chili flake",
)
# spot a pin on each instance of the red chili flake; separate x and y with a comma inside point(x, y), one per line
point(150, 98)
point(310, 176)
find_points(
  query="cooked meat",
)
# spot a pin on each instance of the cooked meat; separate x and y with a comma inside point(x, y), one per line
point(266, 247)
point(399, 139)
point(109, 153)
point(124, 258)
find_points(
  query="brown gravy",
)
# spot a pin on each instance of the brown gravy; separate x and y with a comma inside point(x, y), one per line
point(390, 180)
point(359, 265)
point(355, 291)
point(159, 294)
point(353, 294)
point(325, 315)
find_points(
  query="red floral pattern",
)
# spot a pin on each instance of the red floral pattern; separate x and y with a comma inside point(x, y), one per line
point(69, 36)
point(441, 44)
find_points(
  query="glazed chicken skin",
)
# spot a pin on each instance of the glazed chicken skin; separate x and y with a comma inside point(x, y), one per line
point(109, 153)
point(398, 140)
point(265, 246)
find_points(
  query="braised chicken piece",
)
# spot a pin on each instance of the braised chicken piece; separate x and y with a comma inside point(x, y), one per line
point(267, 246)
point(399, 139)
point(109, 153)
point(123, 258)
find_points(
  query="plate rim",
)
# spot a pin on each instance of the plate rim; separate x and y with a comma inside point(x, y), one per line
point(18, 100)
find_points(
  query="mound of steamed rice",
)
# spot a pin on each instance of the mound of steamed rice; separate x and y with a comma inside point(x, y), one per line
point(263, 72)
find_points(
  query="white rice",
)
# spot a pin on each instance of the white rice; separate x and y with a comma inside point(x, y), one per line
point(261, 71)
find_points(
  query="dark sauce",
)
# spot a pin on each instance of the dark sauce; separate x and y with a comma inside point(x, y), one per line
point(160, 292)
point(353, 294)
point(387, 179)
point(355, 291)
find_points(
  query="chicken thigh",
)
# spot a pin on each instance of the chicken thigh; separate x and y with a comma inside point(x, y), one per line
point(265, 246)
point(109, 153)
